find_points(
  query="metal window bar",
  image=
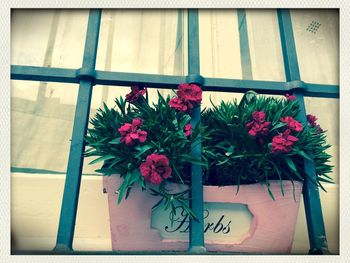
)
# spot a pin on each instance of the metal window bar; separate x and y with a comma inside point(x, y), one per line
point(312, 203)
point(87, 77)
point(81, 119)
point(196, 201)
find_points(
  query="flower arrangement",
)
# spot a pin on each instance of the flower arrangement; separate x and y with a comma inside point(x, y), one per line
point(150, 145)
point(261, 140)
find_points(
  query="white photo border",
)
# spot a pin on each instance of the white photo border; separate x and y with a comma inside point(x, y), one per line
point(344, 113)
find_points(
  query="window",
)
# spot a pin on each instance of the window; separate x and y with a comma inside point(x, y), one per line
point(150, 47)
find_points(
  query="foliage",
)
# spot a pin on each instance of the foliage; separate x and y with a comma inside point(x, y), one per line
point(165, 136)
point(232, 148)
point(259, 138)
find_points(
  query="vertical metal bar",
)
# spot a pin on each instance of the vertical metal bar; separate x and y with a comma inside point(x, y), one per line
point(246, 63)
point(72, 184)
point(196, 227)
point(312, 203)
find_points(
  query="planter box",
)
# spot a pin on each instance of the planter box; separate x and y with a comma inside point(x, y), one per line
point(247, 222)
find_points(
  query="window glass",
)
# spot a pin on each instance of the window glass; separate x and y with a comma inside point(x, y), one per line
point(219, 44)
point(142, 41)
point(50, 38)
point(41, 125)
point(316, 34)
point(265, 45)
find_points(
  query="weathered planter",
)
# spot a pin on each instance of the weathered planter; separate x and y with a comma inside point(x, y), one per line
point(247, 222)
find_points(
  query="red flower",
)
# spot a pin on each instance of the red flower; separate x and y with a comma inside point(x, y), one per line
point(187, 130)
point(156, 168)
point(312, 122)
point(290, 97)
point(283, 142)
point(189, 95)
point(258, 126)
point(292, 124)
point(131, 132)
point(135, 93)
point(319, 129)
point(180, 105)
point(256, 129)
point(190, 92)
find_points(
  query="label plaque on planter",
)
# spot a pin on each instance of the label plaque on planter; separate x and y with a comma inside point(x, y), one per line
point(227, 223)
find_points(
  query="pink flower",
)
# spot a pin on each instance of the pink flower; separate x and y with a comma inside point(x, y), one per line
point(131, 132)
point(258, 126)
point(290, 97)
point(187, 130)
point(156, 168)
point(188, 96)
point(135, 93)
point(283, 142)
point(292, 123)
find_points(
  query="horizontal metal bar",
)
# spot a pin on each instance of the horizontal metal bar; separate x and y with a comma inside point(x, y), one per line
point(269, 87)
point(321, 90)
point(167, 81)
point(101, 77)
point(44, 74)
point(149, 80)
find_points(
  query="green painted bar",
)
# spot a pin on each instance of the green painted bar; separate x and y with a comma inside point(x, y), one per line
point(168, 81)
point(127, 79)
point(312, 202)
point(196, 227)
point(70, 199)
point(244, 45)
point(44, 74)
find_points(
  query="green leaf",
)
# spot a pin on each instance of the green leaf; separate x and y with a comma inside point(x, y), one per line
point(277, 126)
point(325, 180)
point(223, 162)
point(303, 154)
point(115, 141)
point(185, 120)
point(142, 149)
point(103, 158)
point(291, 164)
point(158, 203)
point(107, 171)
point(116, 161)
point(191, 159)
point(270, 193)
